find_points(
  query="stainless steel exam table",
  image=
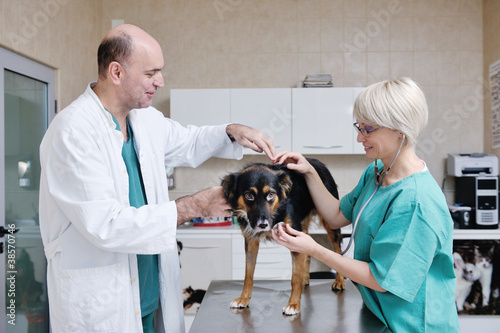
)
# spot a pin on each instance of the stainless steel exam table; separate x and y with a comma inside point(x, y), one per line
point(322, 310)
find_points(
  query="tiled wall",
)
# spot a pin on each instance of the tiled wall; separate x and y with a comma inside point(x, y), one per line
point(62, 34)
point(491, 27)
point(275, 43)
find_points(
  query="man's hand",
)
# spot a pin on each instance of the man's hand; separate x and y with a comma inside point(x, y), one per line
point(251, 138)
point(206, 203)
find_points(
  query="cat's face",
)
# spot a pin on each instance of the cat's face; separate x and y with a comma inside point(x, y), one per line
point(482, 257)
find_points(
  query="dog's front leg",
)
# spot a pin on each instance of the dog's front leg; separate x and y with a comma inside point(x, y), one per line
point(300, 267)
point(251, 251)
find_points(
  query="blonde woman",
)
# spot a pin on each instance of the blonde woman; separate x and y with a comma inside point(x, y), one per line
point(402, 229)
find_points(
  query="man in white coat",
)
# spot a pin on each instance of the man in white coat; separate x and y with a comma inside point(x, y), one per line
point(104, 204)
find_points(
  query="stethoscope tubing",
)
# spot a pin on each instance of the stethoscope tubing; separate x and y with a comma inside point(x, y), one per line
point(376, 175)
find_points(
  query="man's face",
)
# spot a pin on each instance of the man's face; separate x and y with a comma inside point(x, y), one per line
point(142, 76)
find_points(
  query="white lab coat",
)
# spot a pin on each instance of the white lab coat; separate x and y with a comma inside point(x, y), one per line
point(91, 234)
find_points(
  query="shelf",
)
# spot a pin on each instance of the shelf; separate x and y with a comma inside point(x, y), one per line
point(476, 234)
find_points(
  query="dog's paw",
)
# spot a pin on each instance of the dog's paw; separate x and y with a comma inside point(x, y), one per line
point(338, 285)
point(291, 309)
point(240, 303)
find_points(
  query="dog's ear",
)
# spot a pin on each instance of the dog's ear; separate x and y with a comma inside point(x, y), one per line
point(285, 182)
point(228, 184)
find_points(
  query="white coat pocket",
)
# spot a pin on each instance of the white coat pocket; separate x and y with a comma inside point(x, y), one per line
point(91, 299)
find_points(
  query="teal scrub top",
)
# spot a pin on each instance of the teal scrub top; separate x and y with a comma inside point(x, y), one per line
point(149, 288)
point(405, 234)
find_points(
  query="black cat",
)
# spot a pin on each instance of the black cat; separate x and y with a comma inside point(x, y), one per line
point(192, 296)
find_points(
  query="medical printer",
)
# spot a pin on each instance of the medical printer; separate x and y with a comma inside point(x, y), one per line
point(476, 186)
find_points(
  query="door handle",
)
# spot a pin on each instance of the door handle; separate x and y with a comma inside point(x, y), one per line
point(4, 231)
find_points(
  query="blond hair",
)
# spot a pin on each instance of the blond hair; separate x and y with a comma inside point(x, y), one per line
point(398, 104)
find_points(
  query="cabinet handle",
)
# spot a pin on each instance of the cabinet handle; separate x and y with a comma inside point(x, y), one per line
point(322, 147)
point(201, 247)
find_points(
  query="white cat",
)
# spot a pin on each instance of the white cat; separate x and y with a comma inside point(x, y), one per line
point(466, 275)
point(483, 263)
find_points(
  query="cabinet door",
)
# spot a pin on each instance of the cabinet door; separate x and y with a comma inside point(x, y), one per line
point(358, 147)
point(322, 120)
point(268, 110)
point(200, 106)
point(204, 259)
point(274, 261)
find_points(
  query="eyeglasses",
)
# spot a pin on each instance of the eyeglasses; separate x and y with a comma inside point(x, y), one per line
point(367, 130)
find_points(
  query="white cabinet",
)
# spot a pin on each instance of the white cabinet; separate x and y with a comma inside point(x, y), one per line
point(322, 121)
point(268, 110)
point(274, 262)
point(310, 121)
point(358, 147)
point(204, 258)
point(200, 106)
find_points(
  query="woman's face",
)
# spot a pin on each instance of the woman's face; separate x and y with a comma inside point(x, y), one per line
point(382, 143)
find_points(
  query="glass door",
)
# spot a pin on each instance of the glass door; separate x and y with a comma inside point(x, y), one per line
point(26, 104)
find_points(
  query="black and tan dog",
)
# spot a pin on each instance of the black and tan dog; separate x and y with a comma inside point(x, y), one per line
point(262, 195)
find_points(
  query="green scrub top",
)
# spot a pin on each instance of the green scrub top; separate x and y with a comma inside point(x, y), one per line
point(405, 234)
point(147, 264)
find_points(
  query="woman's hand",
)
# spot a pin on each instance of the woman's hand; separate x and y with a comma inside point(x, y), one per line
point(293, 240)
point(294, 161)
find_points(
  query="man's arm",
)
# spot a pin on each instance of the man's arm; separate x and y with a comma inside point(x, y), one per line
point(206, 203)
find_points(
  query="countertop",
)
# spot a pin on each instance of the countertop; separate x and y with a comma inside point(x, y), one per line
point(322, 310)
point(188, 229)
point(346, 231)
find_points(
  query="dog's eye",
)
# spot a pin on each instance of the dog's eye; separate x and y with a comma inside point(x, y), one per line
point(271, 196)
point(249, 196)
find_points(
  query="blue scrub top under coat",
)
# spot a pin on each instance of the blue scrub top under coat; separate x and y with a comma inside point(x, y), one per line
point(147, 264)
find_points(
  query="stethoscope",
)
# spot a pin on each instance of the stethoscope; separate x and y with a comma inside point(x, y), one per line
point(376, 176)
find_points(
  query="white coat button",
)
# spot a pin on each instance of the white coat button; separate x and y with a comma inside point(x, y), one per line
point(120, 136)
point(133, 279)
point(137, 312)
point(125, 170)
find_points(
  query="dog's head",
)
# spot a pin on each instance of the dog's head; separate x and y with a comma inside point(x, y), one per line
point(255, 195)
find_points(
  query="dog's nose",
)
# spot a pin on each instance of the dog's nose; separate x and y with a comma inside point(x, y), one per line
point(263, 224)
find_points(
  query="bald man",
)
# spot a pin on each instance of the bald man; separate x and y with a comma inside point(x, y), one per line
point(107, 223)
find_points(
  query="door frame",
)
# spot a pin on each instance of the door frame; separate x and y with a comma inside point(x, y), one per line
point(17, 63)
